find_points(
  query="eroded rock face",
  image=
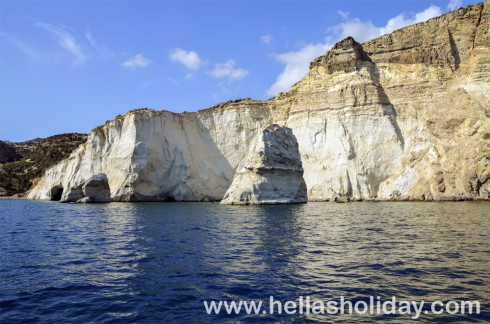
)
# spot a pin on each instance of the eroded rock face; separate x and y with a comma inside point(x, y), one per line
point(392, 126)
point(405, 116)
point(94, 190)
point(347, 127)
point(346, 56)
point(151, 155)
point(273, 173)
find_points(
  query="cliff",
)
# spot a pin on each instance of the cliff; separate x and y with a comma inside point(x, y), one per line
point(22, 162)
point(153, 155)
point(405, 116)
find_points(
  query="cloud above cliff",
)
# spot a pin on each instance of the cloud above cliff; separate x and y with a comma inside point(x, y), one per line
point(455, 4)
point(363, 31)
point(77, 49)
point(296, 63)
point(28, 50)
point(66, 40)
point(190, 59)
point(102, 51)
point(229, 71)
point(266, 39)
point(401, 21)
point(137, 61)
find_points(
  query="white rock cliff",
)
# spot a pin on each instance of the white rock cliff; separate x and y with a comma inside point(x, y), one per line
point(151, 155)
point(405, 116)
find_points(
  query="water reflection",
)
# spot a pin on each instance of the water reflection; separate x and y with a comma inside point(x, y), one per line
point(153, 262)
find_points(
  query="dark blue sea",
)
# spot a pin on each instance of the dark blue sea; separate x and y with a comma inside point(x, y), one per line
point(159, 262)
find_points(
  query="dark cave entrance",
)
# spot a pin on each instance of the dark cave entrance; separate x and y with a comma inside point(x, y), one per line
point(56, 193)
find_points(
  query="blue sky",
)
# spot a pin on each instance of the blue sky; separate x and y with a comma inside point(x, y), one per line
point(68, 66)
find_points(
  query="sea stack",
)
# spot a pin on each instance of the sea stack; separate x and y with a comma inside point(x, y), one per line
point(273, 173)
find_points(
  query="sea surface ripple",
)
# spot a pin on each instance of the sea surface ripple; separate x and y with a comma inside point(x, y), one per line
point(158, 262)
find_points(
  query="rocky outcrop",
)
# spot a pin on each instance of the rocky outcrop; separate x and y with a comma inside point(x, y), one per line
point(8, 153)
point(441, 95)
point(22, 162)
point(346, 125)
point(405, 116)
point(272, 174)
point(346, 56)
point(95, 189)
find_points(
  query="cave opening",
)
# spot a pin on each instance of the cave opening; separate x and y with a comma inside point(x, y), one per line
point(56, 193)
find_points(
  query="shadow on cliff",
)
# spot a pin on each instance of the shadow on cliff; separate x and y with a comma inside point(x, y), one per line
point(219, 169)
point(392, 112)
point(454, 51)
point(195, 169)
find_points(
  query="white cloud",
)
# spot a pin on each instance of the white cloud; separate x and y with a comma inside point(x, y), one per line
point(297, 62)
point(454, 4)
point(229, 71)
point(401, 21)
point(65, 40)
point(101, 50)
point(177, 83)
point(137, 61)
point(189, 59)
point(365, 30)
point(354, 27)
point(25, 48)
point(147, 84)
point(343, 14)
point(266, 39)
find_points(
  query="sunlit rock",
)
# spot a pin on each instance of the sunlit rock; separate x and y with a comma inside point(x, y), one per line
point(273, 173)
point(405, 116)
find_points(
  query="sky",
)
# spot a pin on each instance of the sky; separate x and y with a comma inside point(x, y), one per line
point(68, 66)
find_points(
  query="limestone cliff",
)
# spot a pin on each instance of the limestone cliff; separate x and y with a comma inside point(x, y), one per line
point(151, 155)
point(404, 116)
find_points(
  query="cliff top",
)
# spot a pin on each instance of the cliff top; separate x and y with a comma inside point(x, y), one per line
point(344, 56)
point(444, 35)
point(230, 104)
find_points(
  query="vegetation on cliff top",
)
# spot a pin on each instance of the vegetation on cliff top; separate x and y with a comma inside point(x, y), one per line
point(21, 163)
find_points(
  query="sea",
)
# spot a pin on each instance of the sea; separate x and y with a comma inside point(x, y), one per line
point(164, 262)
